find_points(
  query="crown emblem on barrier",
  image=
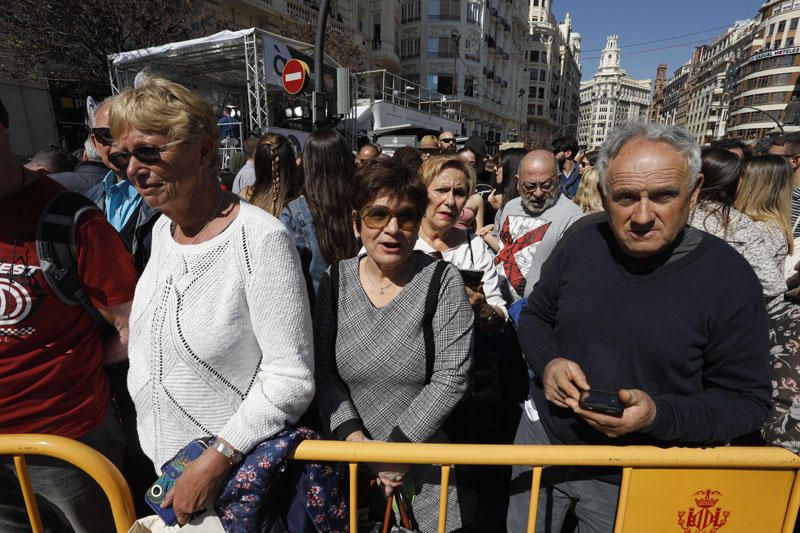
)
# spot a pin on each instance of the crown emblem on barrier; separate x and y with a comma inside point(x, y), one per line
point(706, 517)
point(708, 499)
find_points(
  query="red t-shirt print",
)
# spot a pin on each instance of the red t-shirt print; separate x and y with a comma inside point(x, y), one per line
point(51, 353)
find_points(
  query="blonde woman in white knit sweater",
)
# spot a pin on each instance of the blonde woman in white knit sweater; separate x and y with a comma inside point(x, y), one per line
point(220, 328)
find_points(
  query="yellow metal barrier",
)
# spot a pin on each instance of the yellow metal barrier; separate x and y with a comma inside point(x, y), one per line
point(78, 454)
point(682, 490)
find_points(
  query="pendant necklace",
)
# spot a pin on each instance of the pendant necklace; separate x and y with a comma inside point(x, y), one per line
point(375, 284)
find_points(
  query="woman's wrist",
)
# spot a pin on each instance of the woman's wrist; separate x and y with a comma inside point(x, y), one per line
point(489, 318)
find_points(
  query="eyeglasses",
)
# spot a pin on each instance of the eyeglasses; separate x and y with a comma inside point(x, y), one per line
point(530, 188)
point(377, 216)
point(448, 140)
point(149, 155)
point(103, 136)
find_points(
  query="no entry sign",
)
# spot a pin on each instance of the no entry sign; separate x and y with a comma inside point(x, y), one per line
point(295, 75)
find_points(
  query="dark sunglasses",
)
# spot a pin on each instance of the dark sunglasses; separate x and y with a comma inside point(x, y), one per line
point(377, 216)
point(149, 155)
point(449, 140)
point(103, 136)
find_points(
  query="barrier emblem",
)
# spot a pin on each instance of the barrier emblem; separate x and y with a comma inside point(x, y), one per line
point(706, 517)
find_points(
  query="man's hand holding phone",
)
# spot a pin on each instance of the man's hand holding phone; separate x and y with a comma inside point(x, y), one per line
point(565, 385)
point(564, 382)
point(639, 411)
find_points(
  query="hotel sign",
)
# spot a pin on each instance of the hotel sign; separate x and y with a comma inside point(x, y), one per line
point(774, 53)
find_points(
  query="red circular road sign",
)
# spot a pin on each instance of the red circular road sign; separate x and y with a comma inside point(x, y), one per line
point(295, 75)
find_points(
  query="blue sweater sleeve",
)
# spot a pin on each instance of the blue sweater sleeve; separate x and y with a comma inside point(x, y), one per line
point(736, 396)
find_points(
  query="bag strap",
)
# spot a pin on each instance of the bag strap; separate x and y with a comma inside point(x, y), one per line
point(55, 246)
point(387, 516)
point(335, 296)
point(431, 302)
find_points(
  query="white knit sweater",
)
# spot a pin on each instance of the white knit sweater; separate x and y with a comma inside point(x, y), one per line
point(221, 338)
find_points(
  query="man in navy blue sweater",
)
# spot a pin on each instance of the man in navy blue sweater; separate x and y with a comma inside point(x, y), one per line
point(669, 318)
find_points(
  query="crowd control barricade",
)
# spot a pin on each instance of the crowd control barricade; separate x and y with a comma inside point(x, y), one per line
point(680, 490)
point(95, 464)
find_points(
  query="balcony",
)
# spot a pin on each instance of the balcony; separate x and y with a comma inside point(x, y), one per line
point(383, 55)
point(300, 13)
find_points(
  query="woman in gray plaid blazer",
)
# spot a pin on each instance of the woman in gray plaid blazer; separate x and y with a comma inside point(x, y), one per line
point(377, 377)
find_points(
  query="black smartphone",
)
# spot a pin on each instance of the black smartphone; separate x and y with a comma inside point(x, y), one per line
point(472, 278)
point(601, 402)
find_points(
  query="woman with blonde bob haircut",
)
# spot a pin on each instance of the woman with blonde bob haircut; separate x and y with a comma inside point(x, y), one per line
point(765, 195)
point(220, 342)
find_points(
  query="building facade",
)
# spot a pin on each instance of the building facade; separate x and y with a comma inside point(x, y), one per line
point(470, 50)
point(552, 59)
point(512, 66)
point(698, 96)
point(610, 98)
point(765, 88)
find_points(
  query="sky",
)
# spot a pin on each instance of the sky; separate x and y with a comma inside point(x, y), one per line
point(638, 22)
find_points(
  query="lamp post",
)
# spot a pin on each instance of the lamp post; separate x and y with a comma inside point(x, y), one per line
point(318, 97)
point(455, 36)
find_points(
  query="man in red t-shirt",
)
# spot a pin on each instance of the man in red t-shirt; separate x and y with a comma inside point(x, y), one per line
point(52, 354)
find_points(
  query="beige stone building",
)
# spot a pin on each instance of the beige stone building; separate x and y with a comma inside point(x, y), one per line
point(554, 75)
point(610, 98)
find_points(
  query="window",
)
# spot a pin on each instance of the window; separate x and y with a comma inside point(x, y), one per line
point(781, 26)
point(793, 24)
point(444, 9)
point(409, 48)
point(473, 13)
point(376, 37)
point(469, 86)
point(361, 19)
point(410, 11)
point(534, 56)
point(441, 47)
point(442, 83)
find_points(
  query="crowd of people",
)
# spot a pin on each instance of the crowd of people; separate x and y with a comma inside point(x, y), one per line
point(368, 296)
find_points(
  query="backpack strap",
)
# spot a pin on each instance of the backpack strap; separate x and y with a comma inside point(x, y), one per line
point(55, 246)
point(431, 302)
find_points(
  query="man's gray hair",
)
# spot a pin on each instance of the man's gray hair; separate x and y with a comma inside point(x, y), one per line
point(678, 138)
point(90, 151)
point(90, 115)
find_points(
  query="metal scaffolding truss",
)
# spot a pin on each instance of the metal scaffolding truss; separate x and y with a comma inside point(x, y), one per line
point(256, 84)
point(226, 68)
